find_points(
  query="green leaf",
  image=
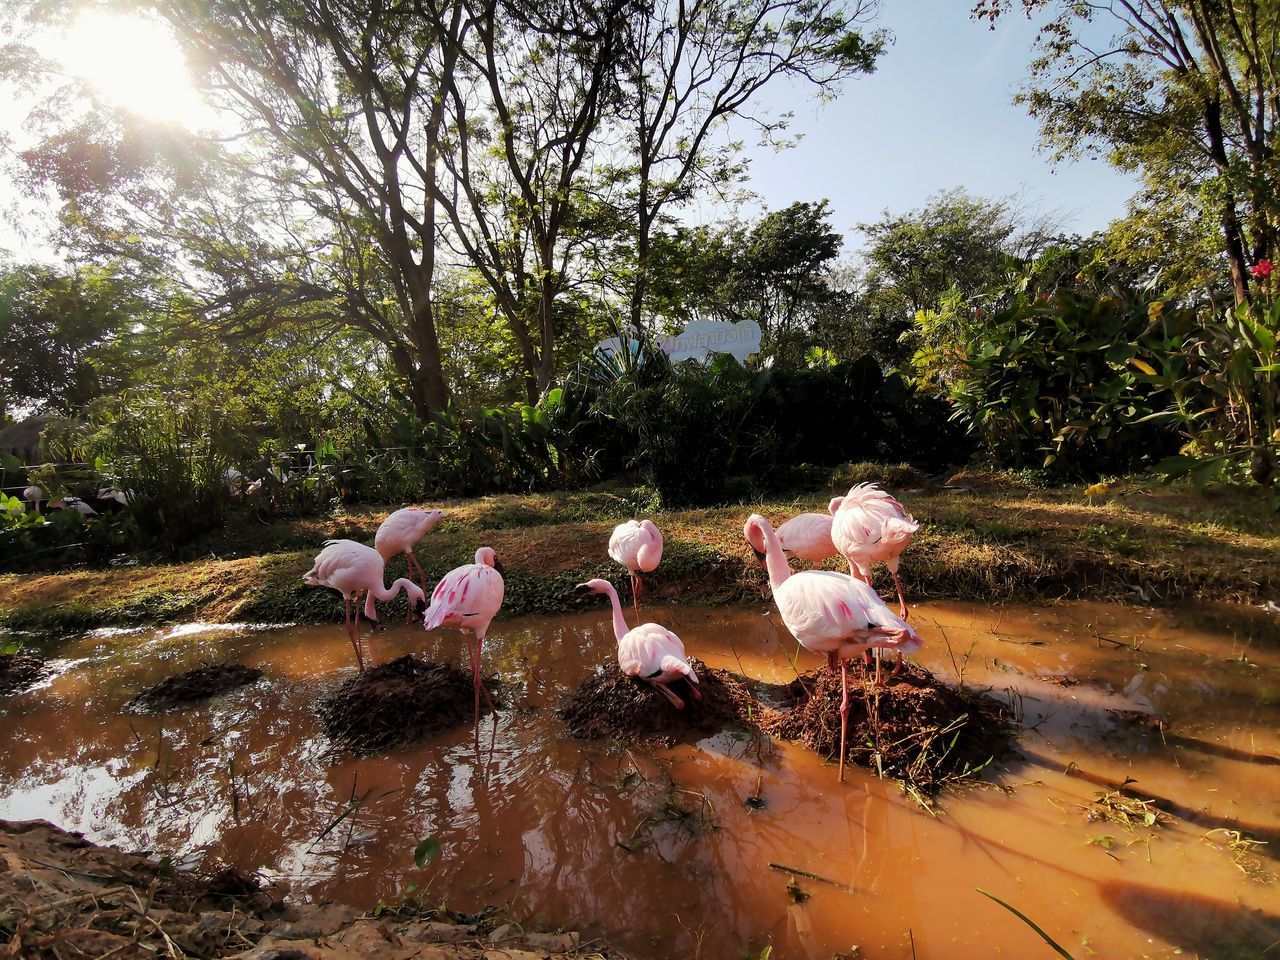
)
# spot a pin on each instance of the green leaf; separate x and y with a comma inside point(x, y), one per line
point(1029, 922)
point(426, 851)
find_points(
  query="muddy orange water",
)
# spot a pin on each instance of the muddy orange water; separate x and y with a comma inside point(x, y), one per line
point(533, 822)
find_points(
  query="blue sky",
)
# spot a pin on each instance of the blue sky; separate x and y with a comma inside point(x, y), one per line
point(936, 114)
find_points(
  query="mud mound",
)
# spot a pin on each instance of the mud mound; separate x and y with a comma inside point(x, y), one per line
point(19, 671)
point(396, 703)
point(923, 732)
point(610, 704)
point(193, 687)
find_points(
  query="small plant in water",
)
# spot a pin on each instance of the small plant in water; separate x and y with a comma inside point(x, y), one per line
point(1243, 851)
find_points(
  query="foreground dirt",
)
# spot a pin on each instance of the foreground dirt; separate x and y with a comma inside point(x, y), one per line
point(979, 539)
point(64, 898)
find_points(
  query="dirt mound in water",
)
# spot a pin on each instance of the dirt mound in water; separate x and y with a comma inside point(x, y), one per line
point(396, 703)
point(916, 728)
point(19, 671)
point(193, 687)
point(611, 704)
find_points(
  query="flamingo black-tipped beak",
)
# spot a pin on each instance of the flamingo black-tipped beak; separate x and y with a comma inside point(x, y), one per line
point(760, 555)
point(497, 565)
point(377, 626)
point(419, 608)
point(582, 586)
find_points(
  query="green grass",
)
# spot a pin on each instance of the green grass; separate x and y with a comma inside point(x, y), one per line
point(995, 542)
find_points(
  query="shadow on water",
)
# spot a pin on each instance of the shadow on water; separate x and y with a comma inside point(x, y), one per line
point(1210, 927)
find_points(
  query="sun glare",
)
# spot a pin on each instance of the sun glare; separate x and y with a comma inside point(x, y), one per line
point(134, 64)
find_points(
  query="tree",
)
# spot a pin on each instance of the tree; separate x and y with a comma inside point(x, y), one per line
point(322, 201)
point(523, 119)
point(952, 249)
point(1182, 91)
point(691, 67)
point(67, 337)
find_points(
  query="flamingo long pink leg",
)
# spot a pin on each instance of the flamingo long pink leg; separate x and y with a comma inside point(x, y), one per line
point(902, 600)
point(844, 711)
point(662, 688)
point(479, 684)
point(354, 635)
point(635, 595)
point(422, 577)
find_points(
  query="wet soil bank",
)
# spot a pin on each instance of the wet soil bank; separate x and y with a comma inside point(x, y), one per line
point(988, 543)
point(64, 898)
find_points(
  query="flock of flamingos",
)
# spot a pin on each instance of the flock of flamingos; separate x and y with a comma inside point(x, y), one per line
point(833, 614)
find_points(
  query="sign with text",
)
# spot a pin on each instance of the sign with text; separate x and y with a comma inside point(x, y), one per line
point(701, 338)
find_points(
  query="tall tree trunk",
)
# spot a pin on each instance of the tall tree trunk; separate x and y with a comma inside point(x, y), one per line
point(1228, 216)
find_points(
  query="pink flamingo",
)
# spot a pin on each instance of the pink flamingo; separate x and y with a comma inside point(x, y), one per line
point(650, 651)
point(872, 527)
point(833, 614)
point(352, 568)
point(400, 533)
point(469, 597)
point(637, 545)
point(806, 536)
point(33, 495)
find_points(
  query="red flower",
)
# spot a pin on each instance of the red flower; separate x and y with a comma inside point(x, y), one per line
point(1262, 268)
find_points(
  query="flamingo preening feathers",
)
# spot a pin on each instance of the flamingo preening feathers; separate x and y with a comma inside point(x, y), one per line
point(871, 527)
point(650, 652)
point(352, 568)
point(469, 597)
point(400, 533)
point(637, 545)
point(806, 536)
point(831, 613)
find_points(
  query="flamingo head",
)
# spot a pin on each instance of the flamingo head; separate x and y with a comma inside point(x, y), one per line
point(488, 557)
point(596, 586)
point(432, 519)
point(834, 505)
point(755, 538)
point(417, 600)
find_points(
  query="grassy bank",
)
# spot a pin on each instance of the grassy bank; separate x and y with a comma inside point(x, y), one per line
point(982, 540)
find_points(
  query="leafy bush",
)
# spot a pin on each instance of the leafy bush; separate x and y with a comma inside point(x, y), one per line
point(1058, 379)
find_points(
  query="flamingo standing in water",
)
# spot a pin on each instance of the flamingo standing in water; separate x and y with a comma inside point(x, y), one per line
point(833, 614)
point(806, 536)
point(650, 651)
point(637, 545)
point(400, 533)
point(469, 597)
point(352, 568)
point(872, 527)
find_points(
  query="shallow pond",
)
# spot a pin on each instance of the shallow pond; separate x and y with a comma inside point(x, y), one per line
point(532, 821)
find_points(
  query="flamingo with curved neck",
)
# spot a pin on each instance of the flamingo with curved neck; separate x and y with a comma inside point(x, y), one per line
point(350, 568)
point(831, 613)
point(650, 652)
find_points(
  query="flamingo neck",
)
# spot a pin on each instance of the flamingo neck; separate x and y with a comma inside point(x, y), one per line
point(390, 593)
point(775, 560)
point(620, 628)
